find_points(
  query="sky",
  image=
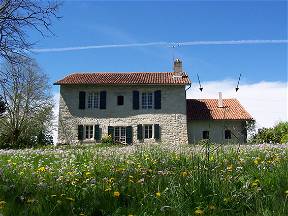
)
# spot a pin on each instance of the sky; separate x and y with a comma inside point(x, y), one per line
point(144, 33)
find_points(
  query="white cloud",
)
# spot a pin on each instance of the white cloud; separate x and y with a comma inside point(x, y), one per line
point(265, 101)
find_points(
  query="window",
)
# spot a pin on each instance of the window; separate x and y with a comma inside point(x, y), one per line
point(148, 131)
point(205, 134)
point(147, 100)
point(93, 100)
point(89, 131)
point(120, 134)
point(120, 100)
point(227, 134)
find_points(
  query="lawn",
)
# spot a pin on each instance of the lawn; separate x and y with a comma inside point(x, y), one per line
point(145, 180)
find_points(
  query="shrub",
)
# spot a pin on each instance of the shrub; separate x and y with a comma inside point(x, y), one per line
point(107, 140)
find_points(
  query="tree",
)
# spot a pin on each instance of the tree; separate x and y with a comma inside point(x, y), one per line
point(28, 102)
point(17, 16)
point(2, 106)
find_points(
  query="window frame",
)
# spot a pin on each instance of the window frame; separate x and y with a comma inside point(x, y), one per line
point(88, 132)
point(93, 100)
point(147, 102)
point(119, 137)
point(150, 131)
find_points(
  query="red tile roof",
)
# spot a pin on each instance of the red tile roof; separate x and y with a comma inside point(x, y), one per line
point(166, 78)
point(207, 109)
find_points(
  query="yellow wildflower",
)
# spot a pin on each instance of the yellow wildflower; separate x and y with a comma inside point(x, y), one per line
point(116, 194)
point(257, 161)
point(230, 168)
point(41, 169)
point(158, 194)
point(184, 174)
point(88, 173)
point(2, 204)
point(199, 212)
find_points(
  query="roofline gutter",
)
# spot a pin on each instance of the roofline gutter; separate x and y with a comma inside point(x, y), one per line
point(123, 84)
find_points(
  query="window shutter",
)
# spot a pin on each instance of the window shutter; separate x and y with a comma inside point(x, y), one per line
point(97, 136)
point(156, 132)
point(103, 100)
point(139, 132)
point(157, 99)
point(80, 132)
point(82, 95)
point(136, 100)
point(129, 135)
point(111, 131)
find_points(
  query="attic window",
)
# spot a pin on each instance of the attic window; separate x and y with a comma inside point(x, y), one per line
point(120, 100)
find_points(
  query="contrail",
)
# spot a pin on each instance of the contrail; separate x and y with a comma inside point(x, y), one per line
point(162, 44)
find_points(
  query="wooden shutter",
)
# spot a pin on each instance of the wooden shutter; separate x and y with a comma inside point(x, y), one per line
point(129, 135)
point(111, 131)
point(103, 100)
point(157, 132)
point(82, 95)
point(97, 135)
point(80, 132)
point(139, 132)
point(157, 99)
point(136, 100)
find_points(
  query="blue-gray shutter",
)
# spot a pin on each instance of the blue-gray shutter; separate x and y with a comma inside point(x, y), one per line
point(80, 132)
point(157, 99)
point(139, 132)
point(129, 135)
point(157, 132)
point(135, 100)
point(111, 131)
point(102, 99)
point(97, 135)
point(82, 95)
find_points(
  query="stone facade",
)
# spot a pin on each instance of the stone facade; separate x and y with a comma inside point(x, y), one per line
point(216, 130)
point(171, 117)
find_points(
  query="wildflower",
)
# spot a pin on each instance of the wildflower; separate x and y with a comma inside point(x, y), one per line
point(199, 212)
point(158, 194)
point(107, 189)
point(88, 173)
point(230, 168)
point(41, 169)
point(257, 161)
point(70, 199)
point(2, 204)
point(255, 183)
point(184, 174)
point(116, 194)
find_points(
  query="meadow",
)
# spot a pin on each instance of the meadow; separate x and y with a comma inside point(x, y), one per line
point(154, 179)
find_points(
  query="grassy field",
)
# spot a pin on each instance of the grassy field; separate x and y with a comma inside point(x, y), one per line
point(145, 180)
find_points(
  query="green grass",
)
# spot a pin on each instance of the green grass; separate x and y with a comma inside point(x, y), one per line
point(149, 180)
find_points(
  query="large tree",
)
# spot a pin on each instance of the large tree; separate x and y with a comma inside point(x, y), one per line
point(18, 16)
point(29, 104)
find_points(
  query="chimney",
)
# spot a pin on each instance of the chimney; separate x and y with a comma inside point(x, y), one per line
point(178, 67)
point(220, 100)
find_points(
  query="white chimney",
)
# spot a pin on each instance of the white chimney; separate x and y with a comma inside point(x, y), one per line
point(220, 100)
point(178, 67)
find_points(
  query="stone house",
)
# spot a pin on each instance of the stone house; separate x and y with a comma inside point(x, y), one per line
point(134, 107)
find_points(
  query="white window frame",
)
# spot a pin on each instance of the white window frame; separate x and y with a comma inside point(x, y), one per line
point(93, 100)
point(120, 134)
point(150, 132)
point(88, 132)
point(145, 100)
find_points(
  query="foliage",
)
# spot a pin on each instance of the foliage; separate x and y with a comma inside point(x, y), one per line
point(29, 104)
point(2, 106)
point(108, 140)
point(16, 17)
point(277, 134)
point(143, 180)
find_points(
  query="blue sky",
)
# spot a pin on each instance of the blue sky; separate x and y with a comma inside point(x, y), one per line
point(263, 86)
point(85, 23)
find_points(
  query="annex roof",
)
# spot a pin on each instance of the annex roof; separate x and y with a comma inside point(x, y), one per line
point(128, 78)
point(207, 109)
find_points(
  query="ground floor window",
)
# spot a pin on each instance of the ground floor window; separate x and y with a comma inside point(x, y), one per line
point(89, 131)
point(205, 134)
point(148, 131)
point(227, 134)
point(120, 134)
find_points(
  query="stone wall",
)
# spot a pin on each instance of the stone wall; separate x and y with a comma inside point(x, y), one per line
point(171, 117)
point(216, 130)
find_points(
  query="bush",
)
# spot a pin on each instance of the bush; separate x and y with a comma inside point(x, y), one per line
point(107, 140)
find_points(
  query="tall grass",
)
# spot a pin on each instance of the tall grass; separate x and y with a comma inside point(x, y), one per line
point(149, 180)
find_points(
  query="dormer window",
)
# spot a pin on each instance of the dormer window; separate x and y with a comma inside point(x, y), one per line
point(147, 100)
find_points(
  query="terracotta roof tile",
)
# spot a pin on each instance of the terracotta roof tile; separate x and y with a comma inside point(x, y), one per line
point(125, 78)
point(207, 109)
